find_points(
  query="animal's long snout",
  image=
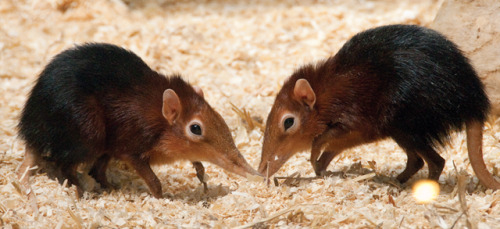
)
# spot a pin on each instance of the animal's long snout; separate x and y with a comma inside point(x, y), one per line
point(234, 162)
point(263, 167)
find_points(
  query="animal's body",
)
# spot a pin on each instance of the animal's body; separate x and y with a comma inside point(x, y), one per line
point(403, 82)
point(96, 102)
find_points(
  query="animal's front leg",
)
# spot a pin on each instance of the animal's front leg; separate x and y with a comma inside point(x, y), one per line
point(200, 173)
point(142, 168)
point(315, 153)
point(322, 141)
point(324, 161)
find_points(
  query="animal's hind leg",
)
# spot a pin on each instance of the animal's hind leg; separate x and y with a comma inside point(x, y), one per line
point(413, 163)
point(434, 161)
point(31, 159)
point(417, 149)
point(25, 170)
point(98, 171)
point(70, 173)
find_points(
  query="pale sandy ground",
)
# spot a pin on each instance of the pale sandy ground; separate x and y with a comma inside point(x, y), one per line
point(239, 52)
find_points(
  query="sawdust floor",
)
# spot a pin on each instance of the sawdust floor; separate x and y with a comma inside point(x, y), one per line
point(239, 52)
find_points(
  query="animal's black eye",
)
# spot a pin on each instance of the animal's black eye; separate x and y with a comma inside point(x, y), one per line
point(195, 129)
point(288, 123)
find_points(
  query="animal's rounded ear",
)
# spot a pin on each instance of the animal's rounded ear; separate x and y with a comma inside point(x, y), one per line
point(171, 106)
point(198, 91)
point(304, 93)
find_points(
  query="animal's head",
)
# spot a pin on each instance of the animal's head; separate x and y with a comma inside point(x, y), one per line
point(197, 132)
point(291, 125)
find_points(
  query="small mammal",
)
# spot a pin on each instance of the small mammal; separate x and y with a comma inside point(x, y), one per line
point(98, 101)
point(405, 82)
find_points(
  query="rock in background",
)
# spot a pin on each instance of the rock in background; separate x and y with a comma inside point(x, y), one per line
point(475, 26)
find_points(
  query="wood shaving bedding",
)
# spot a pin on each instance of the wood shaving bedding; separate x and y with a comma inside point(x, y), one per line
point(239, 52)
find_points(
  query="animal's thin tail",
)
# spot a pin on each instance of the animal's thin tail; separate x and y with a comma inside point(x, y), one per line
point(474, 131)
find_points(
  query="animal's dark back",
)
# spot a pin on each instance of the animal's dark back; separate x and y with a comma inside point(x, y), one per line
point(410, 78)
